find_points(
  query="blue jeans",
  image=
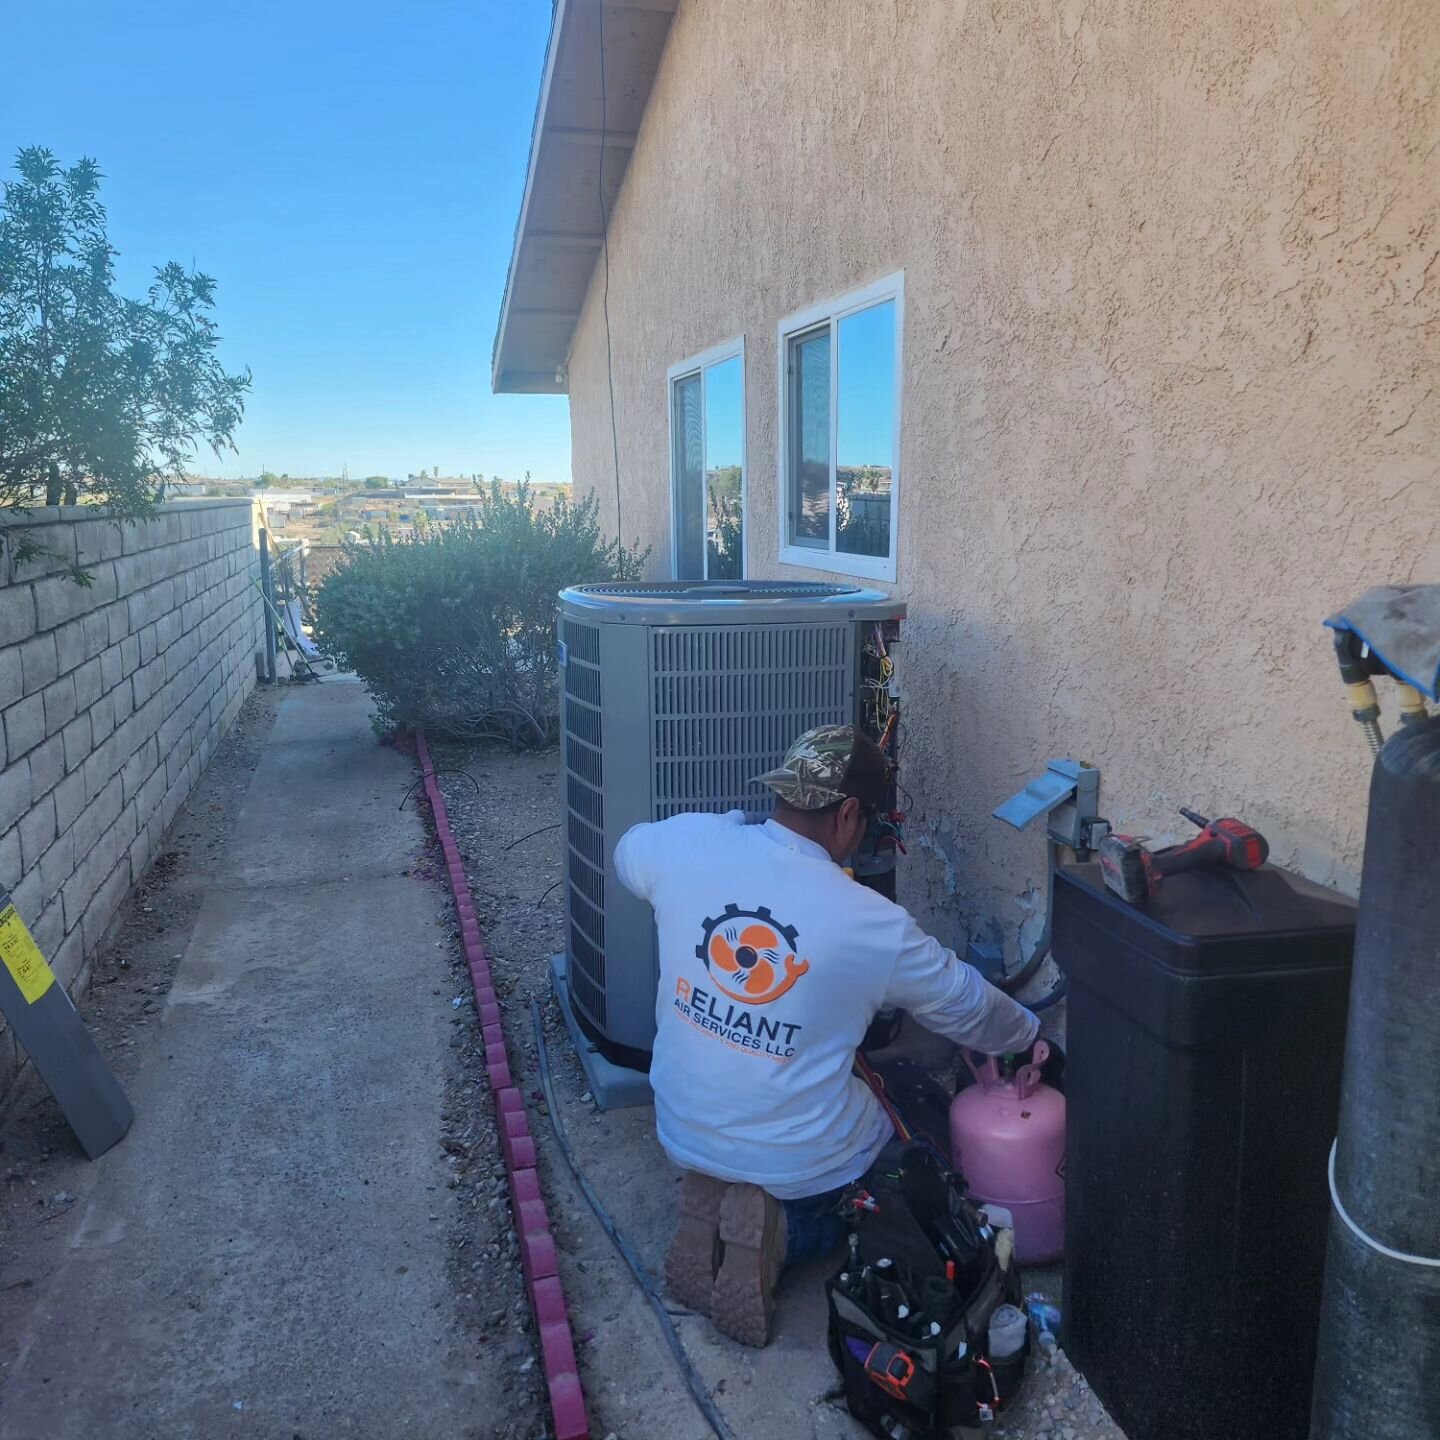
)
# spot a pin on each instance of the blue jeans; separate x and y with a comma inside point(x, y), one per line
point(812, 1227)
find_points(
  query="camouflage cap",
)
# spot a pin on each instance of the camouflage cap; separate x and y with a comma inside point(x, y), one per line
point(813, 771)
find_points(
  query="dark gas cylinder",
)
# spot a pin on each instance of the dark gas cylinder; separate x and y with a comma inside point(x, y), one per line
point(1377, 1374)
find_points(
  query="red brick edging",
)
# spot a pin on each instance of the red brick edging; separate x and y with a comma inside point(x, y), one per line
point(532, 1221)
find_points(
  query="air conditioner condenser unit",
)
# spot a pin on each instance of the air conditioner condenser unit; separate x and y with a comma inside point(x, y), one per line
point(674, 697)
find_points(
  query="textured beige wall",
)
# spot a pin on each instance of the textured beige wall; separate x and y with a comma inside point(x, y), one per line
point(1172, 329)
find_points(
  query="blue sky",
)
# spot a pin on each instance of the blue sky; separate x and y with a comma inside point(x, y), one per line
point(349, 171)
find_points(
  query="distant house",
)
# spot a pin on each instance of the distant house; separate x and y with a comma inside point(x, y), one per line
point(1101, 334)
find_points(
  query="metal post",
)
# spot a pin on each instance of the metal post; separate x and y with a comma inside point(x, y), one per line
point(267, 585)
point(304, 580)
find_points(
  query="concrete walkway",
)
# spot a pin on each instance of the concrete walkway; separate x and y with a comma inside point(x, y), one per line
point(264, 1254)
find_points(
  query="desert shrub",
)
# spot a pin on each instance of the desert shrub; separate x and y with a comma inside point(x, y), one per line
point(454, 630)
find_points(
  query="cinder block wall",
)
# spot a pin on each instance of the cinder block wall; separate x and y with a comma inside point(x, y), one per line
point(112, 699)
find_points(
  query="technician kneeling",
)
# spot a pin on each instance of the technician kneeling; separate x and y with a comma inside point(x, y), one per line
point(773, 962)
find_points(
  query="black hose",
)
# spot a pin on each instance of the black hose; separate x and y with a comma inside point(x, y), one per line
point(693, 1382)
point(1052, 997)
point(442, 770)
point(1011, 983)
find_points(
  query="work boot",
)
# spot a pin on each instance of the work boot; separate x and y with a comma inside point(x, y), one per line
point(694, 1253)
point(752, 1239)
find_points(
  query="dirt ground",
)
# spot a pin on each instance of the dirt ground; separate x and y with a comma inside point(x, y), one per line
point(506, 824)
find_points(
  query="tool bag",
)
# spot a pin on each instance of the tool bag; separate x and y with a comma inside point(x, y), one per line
point(910, 1309)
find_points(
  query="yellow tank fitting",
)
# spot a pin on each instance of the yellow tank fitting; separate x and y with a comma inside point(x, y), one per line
point(1412, 704)
point(1364, 702)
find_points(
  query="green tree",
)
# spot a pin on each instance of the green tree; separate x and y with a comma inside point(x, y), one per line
point(102, 398)
point(377, 482)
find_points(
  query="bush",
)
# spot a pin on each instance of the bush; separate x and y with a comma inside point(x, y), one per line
point(455, 629)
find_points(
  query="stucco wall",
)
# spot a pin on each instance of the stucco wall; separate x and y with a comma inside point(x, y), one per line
point(1172, 326)
point(112, 700)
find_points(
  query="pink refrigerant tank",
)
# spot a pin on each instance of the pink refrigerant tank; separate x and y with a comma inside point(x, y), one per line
point(1008, 1138)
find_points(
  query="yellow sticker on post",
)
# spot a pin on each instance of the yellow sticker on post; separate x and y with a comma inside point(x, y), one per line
point(22, 957)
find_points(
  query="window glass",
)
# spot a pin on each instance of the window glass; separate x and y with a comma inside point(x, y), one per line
point(724, 460)
point(865, 430)
point(809, 422)
point(687, 478)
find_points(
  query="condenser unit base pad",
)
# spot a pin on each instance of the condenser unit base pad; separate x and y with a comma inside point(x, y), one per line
point(614, 1086)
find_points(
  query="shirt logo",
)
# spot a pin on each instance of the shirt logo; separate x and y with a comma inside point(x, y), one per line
point(750, 956)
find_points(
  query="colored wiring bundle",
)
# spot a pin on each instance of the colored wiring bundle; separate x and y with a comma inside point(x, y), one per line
point(696, 1386)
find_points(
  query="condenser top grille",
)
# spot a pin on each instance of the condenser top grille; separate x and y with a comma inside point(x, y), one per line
point(724, 602)
point(711, 590)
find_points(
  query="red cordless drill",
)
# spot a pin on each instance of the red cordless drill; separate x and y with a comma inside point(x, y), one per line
point(1134, 873)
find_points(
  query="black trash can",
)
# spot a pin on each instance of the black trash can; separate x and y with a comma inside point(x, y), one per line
point(1205, 1035)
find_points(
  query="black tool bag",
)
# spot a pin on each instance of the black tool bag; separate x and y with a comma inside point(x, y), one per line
point(910, 1310)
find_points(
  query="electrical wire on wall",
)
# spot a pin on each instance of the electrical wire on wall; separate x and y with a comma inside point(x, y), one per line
point(605, 296)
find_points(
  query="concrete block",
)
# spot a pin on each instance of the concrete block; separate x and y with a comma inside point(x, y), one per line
point(87, 684)
point(10, 866)
point(26, 896)
point(69, 800)
point(139, 855)
point(148, 642)
point(58, 598)
point(103, 763)
point(102, 718)
point(117, 620)
point(24, 725)
point(148, 679)
point(138, 769)
point(78, 742)
point(96, 629)
point(104, 810)
point(152, 796)
point(67, 961)
point(57, 864)
point(122, 700)
point(60, 705)
point(137, 535)
point(11, 677)
point(17, 614)
point(134, 572)
point(87, 832)
point(54, 546)
point(127, 824)
point(130, 654)
point(70, 644)
point(49, 929)
point(39, 663)
point(14, 792)
point(37, 831)
point(97, 540)
point(90, 869)
point(112, 669)
point(47, 764)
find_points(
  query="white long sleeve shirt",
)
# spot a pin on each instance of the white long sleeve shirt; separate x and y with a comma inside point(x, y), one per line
point(773, 962)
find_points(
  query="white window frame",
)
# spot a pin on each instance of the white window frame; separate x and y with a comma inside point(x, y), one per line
point(832, 561)
point(698, 364)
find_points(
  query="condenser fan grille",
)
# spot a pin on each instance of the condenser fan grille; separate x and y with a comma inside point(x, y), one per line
point(585, 818)
point(729, 699)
